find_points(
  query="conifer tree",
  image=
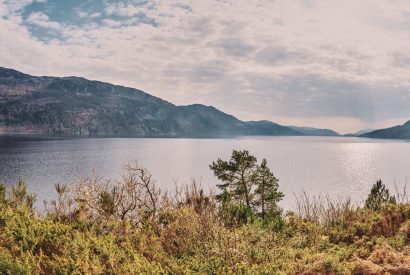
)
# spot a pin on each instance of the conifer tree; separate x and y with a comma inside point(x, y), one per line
point(237, 176)
point(266, 193)
point(379, 196)
point(248, 189)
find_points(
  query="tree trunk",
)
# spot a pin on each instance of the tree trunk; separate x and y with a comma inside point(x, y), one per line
point(247, 200)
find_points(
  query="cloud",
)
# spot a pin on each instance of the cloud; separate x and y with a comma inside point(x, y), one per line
point(233, 46)
point(16, 5)
point(122, 9)
point(40, 19)
point(84, 14)
point(286, 61)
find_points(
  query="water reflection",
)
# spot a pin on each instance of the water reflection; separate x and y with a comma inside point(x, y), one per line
point(337, 166)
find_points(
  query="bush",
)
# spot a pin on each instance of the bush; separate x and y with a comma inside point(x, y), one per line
point(104, 227)
point(9, 266)
point(379, 196)
point(2, 193)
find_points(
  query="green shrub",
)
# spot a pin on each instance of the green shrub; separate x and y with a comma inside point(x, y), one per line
point(9, 266)
point(193, 233)
point(3, 190)
point(379, 196)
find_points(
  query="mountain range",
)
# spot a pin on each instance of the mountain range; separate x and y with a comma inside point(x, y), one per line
point(310, 131)
point(78, 107)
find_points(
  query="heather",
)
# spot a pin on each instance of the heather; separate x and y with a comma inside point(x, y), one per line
point(130, 226)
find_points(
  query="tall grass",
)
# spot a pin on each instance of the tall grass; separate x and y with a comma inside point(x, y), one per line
point(130, 226)
point(401, 194)
point(323, 209)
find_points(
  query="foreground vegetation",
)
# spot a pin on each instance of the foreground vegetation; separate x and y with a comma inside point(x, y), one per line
point(130, 227)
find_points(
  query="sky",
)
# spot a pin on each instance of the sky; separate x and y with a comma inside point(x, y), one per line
point(343, 65)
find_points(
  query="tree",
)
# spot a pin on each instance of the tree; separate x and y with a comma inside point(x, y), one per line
point(247, 188)
point(266, 193)
point(379, 196)
point(237, 176)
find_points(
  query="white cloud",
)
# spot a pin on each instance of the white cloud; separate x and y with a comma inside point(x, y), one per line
point(84, 14)
point(279, 60)
point(10, 7)
point(42, 20)
point(123, 9)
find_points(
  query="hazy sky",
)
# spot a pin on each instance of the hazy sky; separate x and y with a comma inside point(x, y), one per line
point(338, 64)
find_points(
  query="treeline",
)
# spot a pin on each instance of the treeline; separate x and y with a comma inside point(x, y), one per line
point(130, 226)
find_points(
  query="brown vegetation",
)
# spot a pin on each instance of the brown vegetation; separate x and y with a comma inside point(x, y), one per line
point(129, 226)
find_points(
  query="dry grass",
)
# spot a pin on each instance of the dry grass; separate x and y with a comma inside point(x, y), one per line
point(401, 195)
point(323, 209)
point(131, 227)
point(384, 260)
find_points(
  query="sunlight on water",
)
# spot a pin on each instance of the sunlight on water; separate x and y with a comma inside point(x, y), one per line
point(334, 166)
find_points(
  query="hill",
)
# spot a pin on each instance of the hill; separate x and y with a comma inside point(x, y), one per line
point(396, 132)
point(310, 131)
point(78, 107)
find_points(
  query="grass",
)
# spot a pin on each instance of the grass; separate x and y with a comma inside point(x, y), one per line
point(132, 227)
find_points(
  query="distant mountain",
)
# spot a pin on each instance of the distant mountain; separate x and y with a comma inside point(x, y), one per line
point(77, 107)
point(268, 128)
point(310, 131)
point(362, 132)
point(359, 133)
point(396, 132)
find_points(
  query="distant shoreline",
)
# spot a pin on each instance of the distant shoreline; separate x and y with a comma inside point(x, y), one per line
point(28, 136)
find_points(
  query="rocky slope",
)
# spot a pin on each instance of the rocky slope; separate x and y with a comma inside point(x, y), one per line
point(77, 107)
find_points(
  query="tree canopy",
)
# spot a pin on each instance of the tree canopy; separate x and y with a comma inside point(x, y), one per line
point(246, 185)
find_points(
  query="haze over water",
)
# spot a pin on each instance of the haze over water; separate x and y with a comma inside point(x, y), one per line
point(336, 166)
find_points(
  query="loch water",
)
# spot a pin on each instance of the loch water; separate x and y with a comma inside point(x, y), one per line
point(334, 166)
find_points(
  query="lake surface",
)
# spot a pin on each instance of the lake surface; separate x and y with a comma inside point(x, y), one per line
point(336, 166)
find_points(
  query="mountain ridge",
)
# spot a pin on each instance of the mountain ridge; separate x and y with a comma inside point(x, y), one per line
point(395, 132)
point(77, 107)
point(73, 106)
point(312, 131)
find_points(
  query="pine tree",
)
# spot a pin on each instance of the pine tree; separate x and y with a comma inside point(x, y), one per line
point(237, 176)
point(248, 190)
point(379, 196)
point(266, 193)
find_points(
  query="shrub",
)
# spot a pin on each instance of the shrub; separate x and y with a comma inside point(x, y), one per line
point(85, 231)
point(135, 198)
point(2, 193)
point(20, 197)
point(379, 196)
point(9, 266)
